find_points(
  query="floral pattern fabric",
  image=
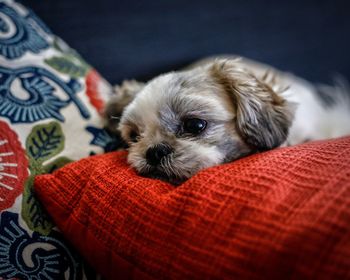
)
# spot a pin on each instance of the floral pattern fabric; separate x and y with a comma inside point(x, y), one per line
point(50, 115)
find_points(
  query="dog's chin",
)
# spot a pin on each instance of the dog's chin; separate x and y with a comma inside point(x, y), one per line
point(160, 175)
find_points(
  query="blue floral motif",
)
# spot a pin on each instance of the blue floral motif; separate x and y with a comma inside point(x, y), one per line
point(35, 100)
point(108, 142)
point(37, 22)
point(49, 257)
point(19, 34)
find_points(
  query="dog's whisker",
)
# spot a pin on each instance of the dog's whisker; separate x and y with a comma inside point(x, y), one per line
point(265, 76)
point(283, 89)
point(220, 111)
point(115, 117)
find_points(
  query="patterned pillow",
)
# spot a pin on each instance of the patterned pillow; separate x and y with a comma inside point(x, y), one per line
point(50, 104)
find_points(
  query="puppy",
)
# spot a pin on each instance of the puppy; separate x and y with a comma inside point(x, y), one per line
point(218, 111)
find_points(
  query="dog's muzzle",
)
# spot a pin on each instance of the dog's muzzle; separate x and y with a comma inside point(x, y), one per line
point(155, 154)
point(154, 157)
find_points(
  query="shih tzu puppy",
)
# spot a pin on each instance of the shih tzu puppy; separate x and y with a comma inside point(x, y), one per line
point(218, 111)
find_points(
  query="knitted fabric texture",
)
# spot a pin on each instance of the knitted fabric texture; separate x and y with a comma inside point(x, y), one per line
point(282, 214)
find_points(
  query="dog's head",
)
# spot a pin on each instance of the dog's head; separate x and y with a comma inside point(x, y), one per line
point(182, 122)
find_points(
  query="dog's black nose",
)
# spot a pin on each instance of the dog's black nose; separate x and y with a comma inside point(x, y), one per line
point(156, 153)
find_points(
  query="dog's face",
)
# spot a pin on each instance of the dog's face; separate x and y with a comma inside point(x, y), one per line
point(182, 122)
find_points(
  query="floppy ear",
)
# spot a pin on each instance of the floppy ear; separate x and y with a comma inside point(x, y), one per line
point(124, 94)
point(263, 117)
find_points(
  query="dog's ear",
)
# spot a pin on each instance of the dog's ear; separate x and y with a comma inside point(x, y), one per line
point(263, 117)
point(123, 96)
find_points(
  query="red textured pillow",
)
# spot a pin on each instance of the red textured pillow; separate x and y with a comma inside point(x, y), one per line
point(275, 215)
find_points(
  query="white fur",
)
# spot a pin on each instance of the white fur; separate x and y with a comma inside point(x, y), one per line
point(312, 120)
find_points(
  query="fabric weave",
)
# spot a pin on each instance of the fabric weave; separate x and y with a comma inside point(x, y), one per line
point(282, 214)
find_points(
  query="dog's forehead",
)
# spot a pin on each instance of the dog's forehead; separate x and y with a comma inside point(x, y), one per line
point(180, 93)
point(152, 98)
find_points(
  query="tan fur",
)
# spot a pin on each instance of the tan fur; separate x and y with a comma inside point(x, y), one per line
point(263, 116)
point(247, 107)
point(124, 94)
point(244, 114)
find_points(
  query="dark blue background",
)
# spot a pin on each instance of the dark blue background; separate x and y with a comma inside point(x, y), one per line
point(139, 39)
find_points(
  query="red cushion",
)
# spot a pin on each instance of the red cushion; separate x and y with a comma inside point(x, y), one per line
point(275, 215)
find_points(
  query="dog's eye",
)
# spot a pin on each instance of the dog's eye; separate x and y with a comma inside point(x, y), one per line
point(194, 125)
point(133, 136)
